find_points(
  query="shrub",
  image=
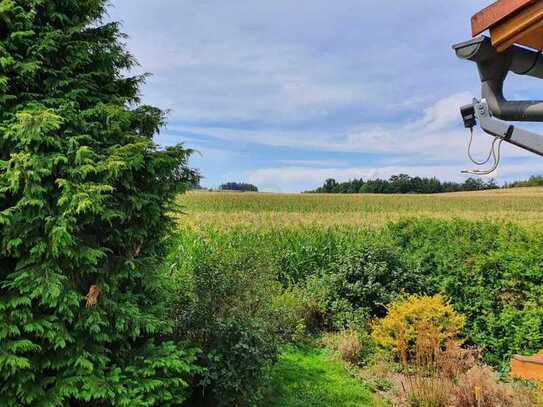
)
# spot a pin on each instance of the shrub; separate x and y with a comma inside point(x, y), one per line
point(453, 360)
point(352, 346)
point(479, 388)
point(476, 387)
point(452, 376)
point(327, 311)
point(237, 357)
point(294, 314)
point(357, 285)
point(408, 317)
point(373, 276)
point(225, 306)
point(84, 202)
point(492, 272)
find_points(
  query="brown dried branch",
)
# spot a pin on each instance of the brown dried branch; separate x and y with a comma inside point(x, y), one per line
point(92, 296)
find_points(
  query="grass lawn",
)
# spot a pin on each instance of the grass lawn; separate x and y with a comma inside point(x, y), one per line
point(311, 378)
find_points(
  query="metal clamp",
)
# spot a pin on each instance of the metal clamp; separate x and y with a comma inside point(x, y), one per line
point(498, 128)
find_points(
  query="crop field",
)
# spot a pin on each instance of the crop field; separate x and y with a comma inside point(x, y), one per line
point(522, 206)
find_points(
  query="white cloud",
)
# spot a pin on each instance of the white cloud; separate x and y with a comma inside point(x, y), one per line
point(436, 134)
point(313, 163)
point(310, 76)
point(443, 114)
point(291, 62)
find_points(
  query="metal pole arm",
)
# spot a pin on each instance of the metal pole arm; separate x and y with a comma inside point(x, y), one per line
point(506, 131)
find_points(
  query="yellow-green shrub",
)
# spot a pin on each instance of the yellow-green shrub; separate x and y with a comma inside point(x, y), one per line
point(412, 316)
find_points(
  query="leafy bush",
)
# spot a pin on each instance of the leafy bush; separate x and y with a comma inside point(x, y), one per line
point(492, 272)
point(295, 314)
point(226, 307)
point(407, 318)
point(373, 276)
point(84, 202)
point(237, 357)
point(360, 284)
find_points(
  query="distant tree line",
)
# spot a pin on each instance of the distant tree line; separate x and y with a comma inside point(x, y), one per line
point(229, 186)
point(238, 186)
point(196, 186)
point(533, 181)
point(403, 184)
point(396, 184)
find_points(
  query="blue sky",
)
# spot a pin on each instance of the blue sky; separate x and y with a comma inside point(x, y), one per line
point(285, 94)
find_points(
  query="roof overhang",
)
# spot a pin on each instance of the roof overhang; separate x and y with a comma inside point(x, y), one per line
point(510, 22)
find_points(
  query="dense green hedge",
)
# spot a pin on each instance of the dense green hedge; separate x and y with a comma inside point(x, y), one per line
point(492, 273)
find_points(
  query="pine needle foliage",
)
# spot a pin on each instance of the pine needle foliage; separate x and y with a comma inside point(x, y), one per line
point(84, 198)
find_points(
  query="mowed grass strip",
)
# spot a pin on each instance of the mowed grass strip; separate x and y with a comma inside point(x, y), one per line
point(311, 378)
point(261, 210)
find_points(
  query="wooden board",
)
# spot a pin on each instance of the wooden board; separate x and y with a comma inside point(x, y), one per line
point(527, 368)
point(524, 27)
point(495, 13)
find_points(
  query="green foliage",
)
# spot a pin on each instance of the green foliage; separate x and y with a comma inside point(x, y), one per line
point(294, 313)
point(84, 197)
point(305, 377)
point(373, 276)
point(358, 284)
point(493, 273)
point(238, 186)
point(226, 305)
point(300, 254)
point(533, 181)
point(412, 318)
point(403, 184)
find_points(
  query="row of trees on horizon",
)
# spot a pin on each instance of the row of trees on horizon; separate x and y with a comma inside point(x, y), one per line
point(405, 184)
point(396, 184)
point(228, 186)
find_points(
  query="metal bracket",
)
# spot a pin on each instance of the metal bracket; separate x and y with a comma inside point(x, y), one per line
point(498, 128)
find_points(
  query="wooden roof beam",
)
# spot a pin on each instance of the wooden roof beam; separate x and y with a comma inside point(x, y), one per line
point(510, 22)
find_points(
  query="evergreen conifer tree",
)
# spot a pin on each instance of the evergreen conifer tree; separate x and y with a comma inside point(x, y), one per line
point(84, 197)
